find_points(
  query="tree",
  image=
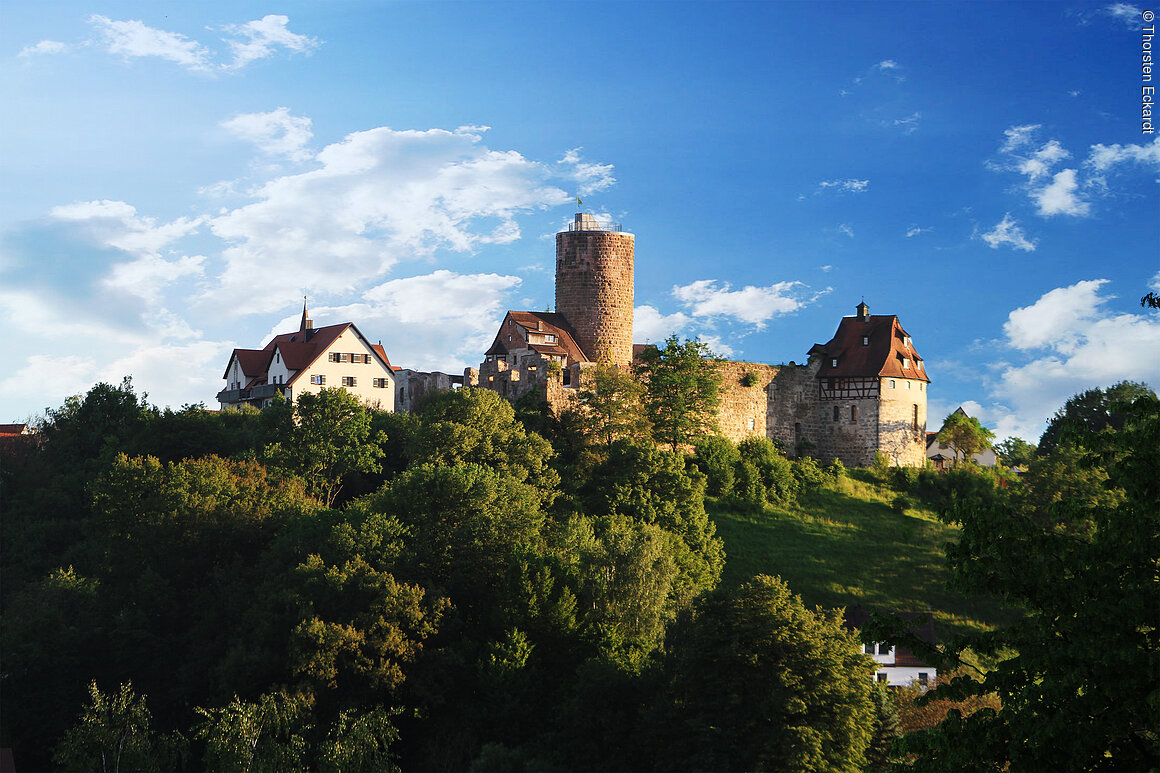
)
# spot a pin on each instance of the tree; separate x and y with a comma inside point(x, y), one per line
point(610, 405)
point(113, 732)
point(1092, 411)
point(267, 736)
point(324, 437)
point(1084, 573)
point(1015, 452)
point(965, 435)
point(759, 682)
point(887, 728)
point(682, 390)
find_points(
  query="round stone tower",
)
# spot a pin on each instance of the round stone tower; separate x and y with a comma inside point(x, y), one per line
point(594, 276)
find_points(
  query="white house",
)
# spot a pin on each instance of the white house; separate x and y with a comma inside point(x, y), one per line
point(897, 666)
point(310, 360)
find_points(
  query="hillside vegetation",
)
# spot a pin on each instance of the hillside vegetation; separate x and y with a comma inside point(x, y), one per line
point(845, 544)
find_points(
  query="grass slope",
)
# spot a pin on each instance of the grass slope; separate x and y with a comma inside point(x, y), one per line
point(844, 545)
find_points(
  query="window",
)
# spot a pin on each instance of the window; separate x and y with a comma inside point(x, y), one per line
point(277, 357)
point(338, 356)
point(906, 363)
point(752, 423)
point(923, 678)
point(853, 413)
point(865, 340)
point(349, 381)
point(836, 412)
point(509, 339)
point(834, 362)
point(915, 418)
point(908, 385)
point(908, 340)
point(892, 383)
point(884, 648)
point(381, 383)
point(551, 339)
point(868, 649)
point(319, 379)
point(881, 677)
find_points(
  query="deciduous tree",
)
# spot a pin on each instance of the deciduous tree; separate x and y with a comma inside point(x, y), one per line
point(965, 435)
point(682, 390)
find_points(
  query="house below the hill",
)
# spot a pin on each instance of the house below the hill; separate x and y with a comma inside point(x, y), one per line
point(897, 665)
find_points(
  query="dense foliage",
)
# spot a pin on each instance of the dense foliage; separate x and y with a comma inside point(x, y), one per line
point(323, 586)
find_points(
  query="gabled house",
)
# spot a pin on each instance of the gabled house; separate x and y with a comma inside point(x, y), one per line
point(942, 456)
point(529, 346)
point(309, 360)
point(897, 665)
point(862, 392)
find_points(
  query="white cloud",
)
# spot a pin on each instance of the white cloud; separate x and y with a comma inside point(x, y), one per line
point(117, 224)
point(590, 178)
point(1129, 14)
point(134, 39)
point(754, 305)
point(44, 48)
point(1039, 163)
point(1007, 232)
point(275, 133)
point(846, 229)
point(849, 186)
point(1057, 318)
point(1059, 198)
point(651, 326)
point(915, 231)
point(1104, 157)
point(260, 38)
point(380, 196)
point(887, 64)
point(1018, 136)
point(910, 123)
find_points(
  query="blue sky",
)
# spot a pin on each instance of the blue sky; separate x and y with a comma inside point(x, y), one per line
point(178, 175)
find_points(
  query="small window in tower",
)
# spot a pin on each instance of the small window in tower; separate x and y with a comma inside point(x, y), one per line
point(892, 383)
point(915, 424)
point(752, 423)
point(853, 413)
point(837, 412)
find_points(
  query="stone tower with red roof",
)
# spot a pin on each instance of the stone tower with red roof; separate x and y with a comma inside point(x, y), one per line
point(862, 392)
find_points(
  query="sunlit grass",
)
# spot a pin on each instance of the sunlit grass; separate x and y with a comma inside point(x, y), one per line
point(845, 545)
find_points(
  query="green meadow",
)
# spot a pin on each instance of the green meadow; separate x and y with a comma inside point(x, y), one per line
point(845, 545)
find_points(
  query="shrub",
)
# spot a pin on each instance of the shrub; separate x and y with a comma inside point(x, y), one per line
point(808, 475)
point(775, 471)
point(881, 465)
point(716, 457)
point(837, 470)
point(900, 503)
point(749, 379)
point(903, 478)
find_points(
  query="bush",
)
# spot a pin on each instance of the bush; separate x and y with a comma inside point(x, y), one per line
point(775, 470)
point(881, 465)
point(900, 503)
point(807, 474)
point(837, 470)
point(749, 379)
point(903, 478)
point(716, 457)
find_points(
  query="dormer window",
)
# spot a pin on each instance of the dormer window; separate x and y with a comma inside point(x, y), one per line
point(865, 340)
point(834, 362)
point(908, 340)
point(549, 338)
point(906, 363)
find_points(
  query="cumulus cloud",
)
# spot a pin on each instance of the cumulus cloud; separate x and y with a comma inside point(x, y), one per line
point(380, 196)
point(134, 38)
point(1104, 157)
point(260, 38)
point(1006, 231)
point(44, 48)
point(1076, 343)
point(651, 326)
point(1061, 197)
point(752, 305)
point(276, 133)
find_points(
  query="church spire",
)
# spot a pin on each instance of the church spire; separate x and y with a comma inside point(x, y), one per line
point(307, 323)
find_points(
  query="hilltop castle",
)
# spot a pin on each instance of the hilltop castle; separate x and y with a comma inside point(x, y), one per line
point(862, 392)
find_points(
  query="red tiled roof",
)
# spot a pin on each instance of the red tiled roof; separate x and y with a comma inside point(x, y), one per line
point(882, 355)
point(538, 322)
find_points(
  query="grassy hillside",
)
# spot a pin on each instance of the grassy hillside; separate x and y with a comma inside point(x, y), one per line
point(844, 545)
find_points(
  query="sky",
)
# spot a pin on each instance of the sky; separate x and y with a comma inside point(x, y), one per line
point(177, 177)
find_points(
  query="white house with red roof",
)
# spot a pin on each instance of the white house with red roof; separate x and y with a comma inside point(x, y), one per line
point(897, 666)
point(310, 360)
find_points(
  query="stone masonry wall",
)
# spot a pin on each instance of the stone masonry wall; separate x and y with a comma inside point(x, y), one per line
point(743, 408)
point(594, 291)
point(902, 434)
